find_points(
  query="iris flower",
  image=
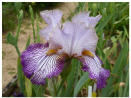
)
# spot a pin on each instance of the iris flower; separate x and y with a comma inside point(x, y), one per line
point(73, 39)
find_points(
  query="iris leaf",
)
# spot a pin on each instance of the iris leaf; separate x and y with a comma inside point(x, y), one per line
point(21, 77)
point(119, 65)
point(38, 90)
point(32, 21)
point(80, 83)
point(71, 78)
point(28, 87)
point(28, 42)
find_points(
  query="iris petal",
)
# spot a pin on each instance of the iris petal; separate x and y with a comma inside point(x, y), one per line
point(77, 38)
point(84, 19)
point(93, 66)
point(73, 37)
point(52, 18)
point(37, 65)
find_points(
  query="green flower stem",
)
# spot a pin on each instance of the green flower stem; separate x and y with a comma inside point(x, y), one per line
point(17, 50)
point(18, 30)
point(33, 33)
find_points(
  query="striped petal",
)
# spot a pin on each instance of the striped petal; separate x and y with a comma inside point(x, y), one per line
point(37, 65)
point(96, 72)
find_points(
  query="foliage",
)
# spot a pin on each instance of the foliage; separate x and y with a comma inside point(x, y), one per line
point(11, 9)
point(112, 48)
point(113, 45)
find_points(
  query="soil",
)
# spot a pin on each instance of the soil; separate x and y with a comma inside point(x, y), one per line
point(9, 55)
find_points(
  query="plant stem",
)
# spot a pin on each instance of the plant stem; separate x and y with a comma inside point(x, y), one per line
point(33, 27)
point(17, 50)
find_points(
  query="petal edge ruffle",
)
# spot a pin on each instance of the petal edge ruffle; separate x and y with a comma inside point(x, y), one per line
point(37, 65)
point(96, 72)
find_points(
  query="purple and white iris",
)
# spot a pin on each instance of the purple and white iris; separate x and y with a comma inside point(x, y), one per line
point(72, 39)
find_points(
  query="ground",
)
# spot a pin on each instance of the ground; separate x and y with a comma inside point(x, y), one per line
point(9, 55)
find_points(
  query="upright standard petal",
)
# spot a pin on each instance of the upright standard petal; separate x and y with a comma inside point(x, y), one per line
point(37, 65)
point(52, 18)
point(96, 72)
point(84, 19)
point(84, 39)
point(77, 38)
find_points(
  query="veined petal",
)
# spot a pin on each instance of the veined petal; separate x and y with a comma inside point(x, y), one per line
point(73, 37)
point(46, 33)
point(37, 65)
point(77, 38)
point(85, 39)
point(68, 37)
point(94, 20)
point(63, 37)
point(52, 18)
point(80, 34)
point(85, 19)
point(96, 72)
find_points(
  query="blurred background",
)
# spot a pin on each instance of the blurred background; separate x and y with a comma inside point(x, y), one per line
point(112, 30)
